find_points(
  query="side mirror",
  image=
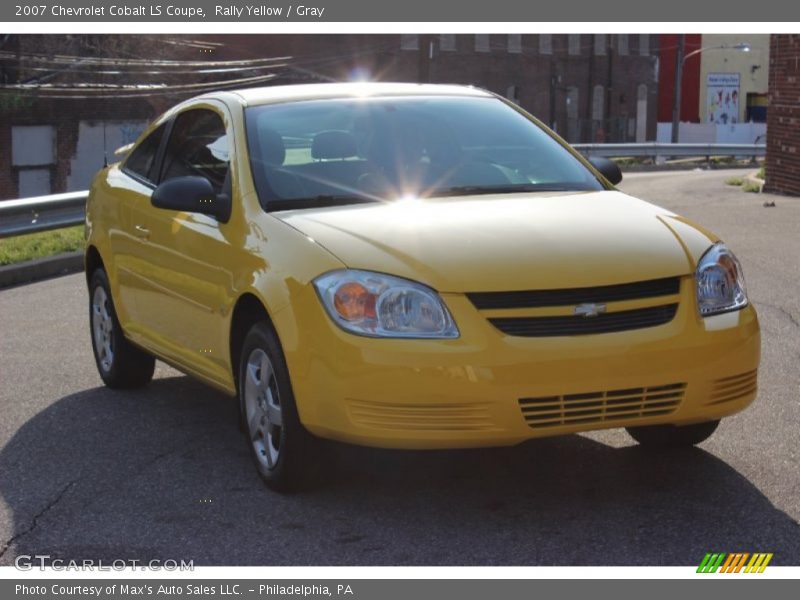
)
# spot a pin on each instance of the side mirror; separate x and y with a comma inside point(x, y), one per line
point(192, 194)
point(608, 168)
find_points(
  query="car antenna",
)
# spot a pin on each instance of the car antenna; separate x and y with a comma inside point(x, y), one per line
point(105, 148)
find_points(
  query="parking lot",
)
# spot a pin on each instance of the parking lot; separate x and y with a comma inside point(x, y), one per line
point(163, 473)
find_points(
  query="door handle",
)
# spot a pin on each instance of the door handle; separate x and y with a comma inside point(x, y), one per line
point(141, 231)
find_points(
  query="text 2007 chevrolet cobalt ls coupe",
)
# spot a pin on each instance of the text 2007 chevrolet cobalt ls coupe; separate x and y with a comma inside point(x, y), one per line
point(408, 266)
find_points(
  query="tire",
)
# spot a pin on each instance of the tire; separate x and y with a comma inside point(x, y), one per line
point(285, 453)
point(121, 364)
point(672, 436)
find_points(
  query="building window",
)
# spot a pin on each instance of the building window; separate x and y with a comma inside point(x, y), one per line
point(644, 44)
point(33, 153)
point(598, 97)
point(515, 43)
point(447, 42)
point(574, 44)
point(600, 44)
point(409, 41)
point(622, 44)
point(482, 42)
point(546, 44)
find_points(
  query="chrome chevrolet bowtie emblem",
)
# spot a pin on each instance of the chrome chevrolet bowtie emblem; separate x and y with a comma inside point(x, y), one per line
point(589, 309)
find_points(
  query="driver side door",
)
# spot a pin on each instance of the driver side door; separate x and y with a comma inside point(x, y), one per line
point(189, 254)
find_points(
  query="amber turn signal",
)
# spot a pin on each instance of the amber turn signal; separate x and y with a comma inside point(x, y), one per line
point(354, 302)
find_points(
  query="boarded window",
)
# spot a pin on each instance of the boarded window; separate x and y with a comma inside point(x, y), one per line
point(600, 44)
point(482, 42)
point(545, 44)
point(644, 44)
point(598, 97)
point(409, 41)
point(33, 145)
point(622, 44)
point(574, 44)
point(447, 42)
point(34, 182)
point(515, 43)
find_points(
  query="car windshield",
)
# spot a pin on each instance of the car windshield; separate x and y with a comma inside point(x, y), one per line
point(341, 151)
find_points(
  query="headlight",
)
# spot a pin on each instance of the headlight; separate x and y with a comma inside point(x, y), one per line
point(720, 284)
point(378, 305)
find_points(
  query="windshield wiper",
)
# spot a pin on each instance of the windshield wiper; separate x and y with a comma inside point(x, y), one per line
point(474, 190)
point(320, 201)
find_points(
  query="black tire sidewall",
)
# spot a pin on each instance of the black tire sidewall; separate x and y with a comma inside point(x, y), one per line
point(99, 279)
point(294, 438)
point(131, 367)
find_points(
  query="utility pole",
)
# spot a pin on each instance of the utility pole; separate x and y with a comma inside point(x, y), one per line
point(676, 99)
point(553, 89)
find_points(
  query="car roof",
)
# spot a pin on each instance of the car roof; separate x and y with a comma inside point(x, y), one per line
point(321, 91)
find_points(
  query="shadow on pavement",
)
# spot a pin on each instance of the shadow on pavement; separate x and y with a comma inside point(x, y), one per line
point(163, 473)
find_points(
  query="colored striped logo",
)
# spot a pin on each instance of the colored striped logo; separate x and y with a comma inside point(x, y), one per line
point(735, 562)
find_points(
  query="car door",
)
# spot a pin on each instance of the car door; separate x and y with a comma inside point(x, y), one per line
point(131, 187)
point(190, 282)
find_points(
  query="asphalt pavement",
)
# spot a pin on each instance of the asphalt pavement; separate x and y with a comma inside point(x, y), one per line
point(163, 473)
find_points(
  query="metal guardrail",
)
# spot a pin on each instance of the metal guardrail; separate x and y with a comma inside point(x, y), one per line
point(657, 150)
point(28, 215)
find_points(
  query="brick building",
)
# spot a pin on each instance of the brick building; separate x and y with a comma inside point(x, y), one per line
point(783, 118)
point(589, 88)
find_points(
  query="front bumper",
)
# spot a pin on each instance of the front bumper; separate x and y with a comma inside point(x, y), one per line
point(490, 389)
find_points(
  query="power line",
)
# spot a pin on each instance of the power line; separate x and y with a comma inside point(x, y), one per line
point(133, 62)
point(99, 90)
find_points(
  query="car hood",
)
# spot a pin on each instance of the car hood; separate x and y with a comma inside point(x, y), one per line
point(509, 242)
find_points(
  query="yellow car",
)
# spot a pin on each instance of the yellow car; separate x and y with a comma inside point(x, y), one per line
point(407, 266)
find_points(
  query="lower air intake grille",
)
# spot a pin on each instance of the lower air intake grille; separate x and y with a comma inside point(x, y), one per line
point(733, 388)
point(623, 320)
point(601, 407)
point(421, 417)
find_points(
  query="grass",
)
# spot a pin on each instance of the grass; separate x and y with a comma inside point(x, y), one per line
point(734, 181)
point(762, 174)
point(37, 245)
point(751, 187)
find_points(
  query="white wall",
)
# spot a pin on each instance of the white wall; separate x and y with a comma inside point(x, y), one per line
point(708, 133)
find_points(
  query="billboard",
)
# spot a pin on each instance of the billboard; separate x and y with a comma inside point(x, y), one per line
point(722, 98)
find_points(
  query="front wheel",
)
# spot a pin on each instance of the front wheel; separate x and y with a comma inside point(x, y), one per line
point(284, 452)
point(665, 436)
point(121, 364)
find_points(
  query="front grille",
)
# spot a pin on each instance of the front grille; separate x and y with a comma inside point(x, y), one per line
point(565, 297)
point(733, 388)
point(421, 417)
point(602, 406)
point(579, 325)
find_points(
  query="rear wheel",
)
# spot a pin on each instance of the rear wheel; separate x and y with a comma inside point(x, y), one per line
point(284, 452)
point(121, 364)
point(666, 436)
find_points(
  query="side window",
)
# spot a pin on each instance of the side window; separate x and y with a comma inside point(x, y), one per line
point(198, 145)
point(142, 160)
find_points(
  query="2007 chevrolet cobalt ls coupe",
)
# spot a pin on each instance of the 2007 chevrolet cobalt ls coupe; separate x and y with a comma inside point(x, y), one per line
point(407, 266)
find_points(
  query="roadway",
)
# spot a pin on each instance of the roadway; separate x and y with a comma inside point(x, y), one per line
point(163, 473)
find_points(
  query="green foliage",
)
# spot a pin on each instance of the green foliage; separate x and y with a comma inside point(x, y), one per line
point(37, 245)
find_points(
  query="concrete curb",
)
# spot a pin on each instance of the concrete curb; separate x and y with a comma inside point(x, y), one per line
point(41, 268)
